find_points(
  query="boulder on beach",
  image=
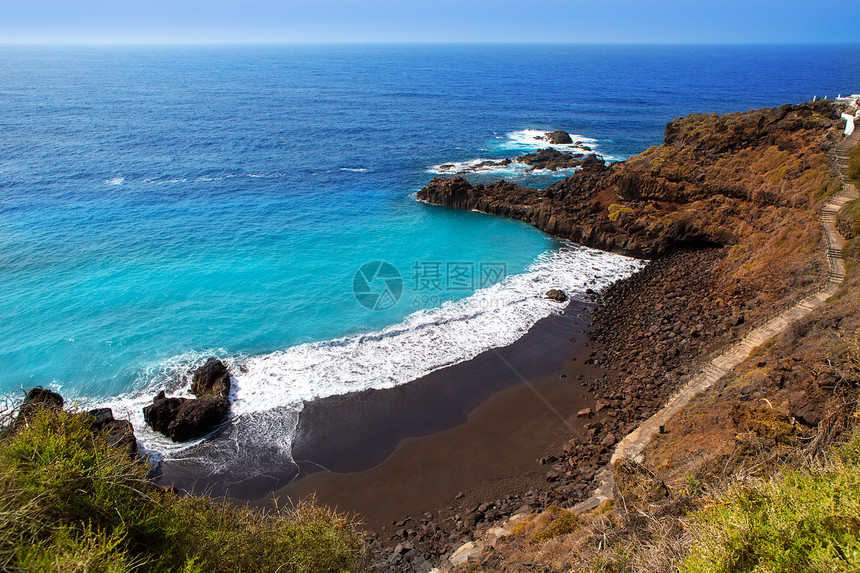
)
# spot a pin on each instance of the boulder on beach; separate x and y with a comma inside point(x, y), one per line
point(556, 295)
point(182, 419)
point(558, 137)
point(211, 379)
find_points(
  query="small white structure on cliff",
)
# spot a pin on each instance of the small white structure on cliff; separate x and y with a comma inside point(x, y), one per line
point(853, 102)
point(849, 123)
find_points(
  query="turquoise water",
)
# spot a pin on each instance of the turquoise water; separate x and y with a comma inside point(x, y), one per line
point(160, 205)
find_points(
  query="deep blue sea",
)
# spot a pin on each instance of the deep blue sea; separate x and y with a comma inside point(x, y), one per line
point(159, 205)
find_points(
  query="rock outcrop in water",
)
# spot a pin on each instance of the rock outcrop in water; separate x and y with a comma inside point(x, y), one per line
point(551, 159)
point(183, 419)
point(558, 137)
point(715, 180)
point(211, 379)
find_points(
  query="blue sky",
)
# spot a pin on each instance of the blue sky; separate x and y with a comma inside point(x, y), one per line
point(554, 21)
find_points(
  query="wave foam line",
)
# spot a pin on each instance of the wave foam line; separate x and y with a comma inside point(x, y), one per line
point(269, 390)
point(512, 169)
point(536, 139)
point(425, 340)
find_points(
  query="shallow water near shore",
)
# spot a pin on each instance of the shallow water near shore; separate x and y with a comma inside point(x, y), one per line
point(161, 205)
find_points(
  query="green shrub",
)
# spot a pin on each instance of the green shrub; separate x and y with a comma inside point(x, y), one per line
point(69, 502)
point(622, 212)
point(563, 521)
point(806, 520)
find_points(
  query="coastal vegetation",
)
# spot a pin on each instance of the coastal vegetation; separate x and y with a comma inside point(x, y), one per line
point(70, 502)
point(799, 520)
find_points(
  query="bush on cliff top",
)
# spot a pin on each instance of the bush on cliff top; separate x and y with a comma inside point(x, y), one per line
point(69, 502)
point(803, 520)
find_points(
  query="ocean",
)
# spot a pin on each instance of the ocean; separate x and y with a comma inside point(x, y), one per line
point(160, 205)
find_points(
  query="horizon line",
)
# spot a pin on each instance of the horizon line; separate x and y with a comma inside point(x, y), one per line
point(189, 43)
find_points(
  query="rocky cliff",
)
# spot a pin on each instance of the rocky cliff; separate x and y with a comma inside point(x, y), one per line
point(715, 180)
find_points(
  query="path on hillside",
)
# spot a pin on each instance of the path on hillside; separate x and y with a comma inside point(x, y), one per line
point(635, 442)
point(632, 445)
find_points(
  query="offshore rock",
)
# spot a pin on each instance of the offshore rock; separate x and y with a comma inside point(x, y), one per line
point(550, 159)
point(558, 137)
point(211, 379)
point(182, 419)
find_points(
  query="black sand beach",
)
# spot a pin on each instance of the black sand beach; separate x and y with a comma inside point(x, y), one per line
point(477, 427)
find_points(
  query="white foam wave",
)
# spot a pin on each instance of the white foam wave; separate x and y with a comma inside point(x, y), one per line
point(115, 181)
point(532, 139)
point(264, 175)
point(277, 384)
point(426, 340)
point(497, 166)
point(536, 139)
point(354, 169)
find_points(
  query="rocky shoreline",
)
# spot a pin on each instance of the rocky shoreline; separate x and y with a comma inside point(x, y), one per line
point(686, 192)
point(648, 332)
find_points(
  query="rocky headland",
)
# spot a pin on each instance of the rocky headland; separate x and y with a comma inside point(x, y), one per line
point(715, 180)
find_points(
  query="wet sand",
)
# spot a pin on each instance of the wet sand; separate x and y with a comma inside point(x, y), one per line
point(477, 428)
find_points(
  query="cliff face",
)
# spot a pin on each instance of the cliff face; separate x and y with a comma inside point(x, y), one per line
point(716, 179)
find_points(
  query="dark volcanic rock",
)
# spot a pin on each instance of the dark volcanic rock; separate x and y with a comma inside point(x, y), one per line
point(592, 159)
point(558, 137)
point(556, 295)
point(117, 433)
point(482, 166)
point(183, 419)
point(549, 158)
point(38, 399)
point(211, 379)
point(162, 412)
